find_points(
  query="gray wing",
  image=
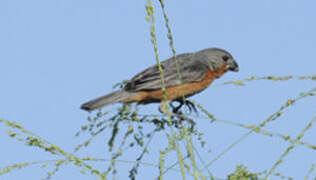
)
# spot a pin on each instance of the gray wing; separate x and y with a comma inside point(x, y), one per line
point(191, 70)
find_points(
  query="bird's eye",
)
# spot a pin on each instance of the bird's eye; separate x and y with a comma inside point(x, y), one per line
point(225, 58)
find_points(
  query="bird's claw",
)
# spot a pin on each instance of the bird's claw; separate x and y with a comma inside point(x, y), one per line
point(188, 103)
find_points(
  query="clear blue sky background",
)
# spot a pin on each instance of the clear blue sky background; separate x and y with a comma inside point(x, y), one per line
point(56, 54)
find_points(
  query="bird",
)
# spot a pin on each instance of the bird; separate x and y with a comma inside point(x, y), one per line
point(197, 71)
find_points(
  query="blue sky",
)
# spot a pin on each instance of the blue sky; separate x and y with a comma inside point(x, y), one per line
point(58, 54)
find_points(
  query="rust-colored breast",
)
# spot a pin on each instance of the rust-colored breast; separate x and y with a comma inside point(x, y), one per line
point(176, 92)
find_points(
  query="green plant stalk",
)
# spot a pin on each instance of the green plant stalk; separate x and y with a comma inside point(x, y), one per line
point(310, 171)
point(204, 165)
point(161, 164)
point(272, 117)
point(34, 140)
point(187, 137)
point(169, 35)
point(270, 78)
point(258, 130)
point(291, 147)
point(150, 18)
point(190, 150)
point(180, 158)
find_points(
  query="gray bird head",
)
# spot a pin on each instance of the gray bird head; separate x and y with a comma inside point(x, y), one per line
point(217, 58)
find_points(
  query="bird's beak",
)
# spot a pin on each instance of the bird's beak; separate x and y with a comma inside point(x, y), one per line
point(234, 67)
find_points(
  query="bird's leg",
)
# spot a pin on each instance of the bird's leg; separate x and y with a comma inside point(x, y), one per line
point(177, 108)
point(188, 103)
point(163, 109)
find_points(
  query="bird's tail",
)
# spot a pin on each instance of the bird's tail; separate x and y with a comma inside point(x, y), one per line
point(114, 97)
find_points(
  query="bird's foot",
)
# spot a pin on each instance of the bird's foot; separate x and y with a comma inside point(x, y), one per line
point(176, 113)
point(188, 103)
